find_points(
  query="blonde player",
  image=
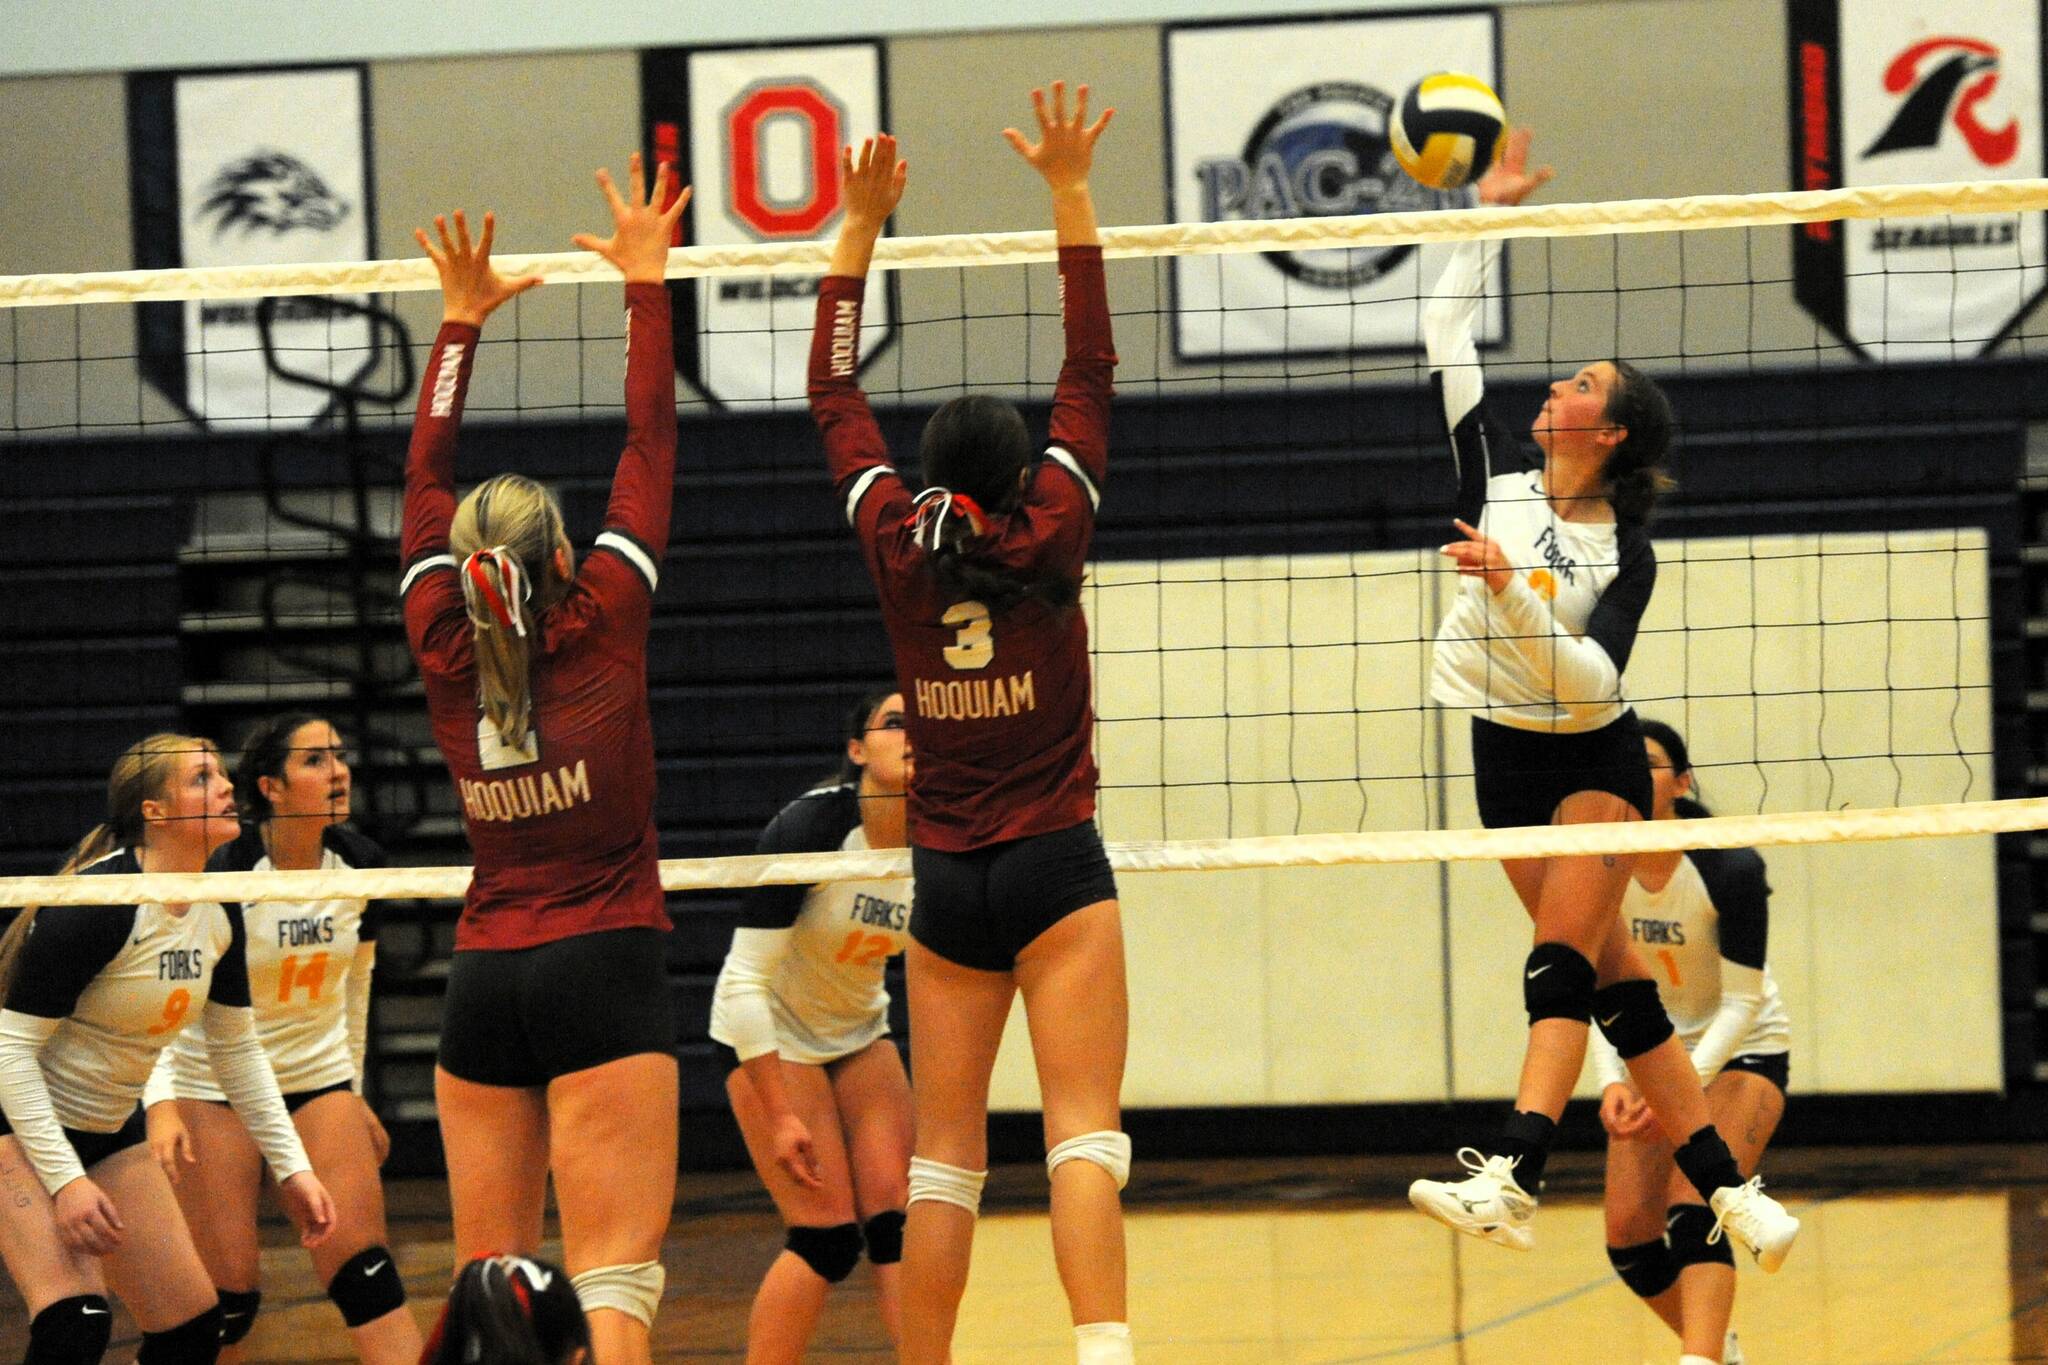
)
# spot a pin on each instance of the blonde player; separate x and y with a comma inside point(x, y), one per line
point(309, 977)
point(1703, 921)
point(557, 1051)
point(979, 580)
point(803, 1019)
point(92, 993)
point(1557, 568)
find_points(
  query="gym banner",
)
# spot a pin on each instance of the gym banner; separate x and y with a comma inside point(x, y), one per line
point(1289, 120)
point(757, 132)
point(251, 168)
point(1890, 92)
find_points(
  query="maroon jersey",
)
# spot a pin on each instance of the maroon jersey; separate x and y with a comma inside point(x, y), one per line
point(998, 710)
point(563, 830)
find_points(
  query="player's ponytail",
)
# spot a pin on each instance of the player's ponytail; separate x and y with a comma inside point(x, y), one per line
point(974, 452)
point(508, 531)
point(510, 1310)
point(143, 772)
point(1635, 470)
point(1673, 744)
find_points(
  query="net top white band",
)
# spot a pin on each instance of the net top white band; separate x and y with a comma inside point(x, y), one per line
point(1189, 855)
point(1171, 239)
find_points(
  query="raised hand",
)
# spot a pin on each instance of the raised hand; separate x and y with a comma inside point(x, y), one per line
point(873, 181)
point(471, 289)
point(1508, 181)
point(1066, 147)
point(641, 228)
point(1479, 555)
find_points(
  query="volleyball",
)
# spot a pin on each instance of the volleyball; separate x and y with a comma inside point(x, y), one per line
point(1447, 129)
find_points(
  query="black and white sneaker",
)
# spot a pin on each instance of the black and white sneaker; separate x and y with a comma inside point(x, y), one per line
point(1488, 1203)
point(1754, 1220)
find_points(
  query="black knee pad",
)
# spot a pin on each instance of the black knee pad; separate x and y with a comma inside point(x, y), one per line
point(1646, 1268)
point(832, 1252)
point(1686, 1227)
point(237, 1313)
point(367, 1286)
point(71, 1331)
point(196, 1342)
point(884, 1234)
point(1632, 1016)
point(1557, 983)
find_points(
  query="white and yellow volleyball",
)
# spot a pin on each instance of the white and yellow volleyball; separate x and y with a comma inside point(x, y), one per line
point(1448, 129)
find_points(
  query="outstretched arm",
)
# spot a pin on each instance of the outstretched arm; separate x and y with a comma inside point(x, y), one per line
point(471, 290)
point(643, 490)
point(854, 449)
point(1064, 155)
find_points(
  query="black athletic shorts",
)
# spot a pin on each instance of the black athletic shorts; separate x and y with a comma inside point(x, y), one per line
point(524, 1016)
point(93, 1148)
point(1523, 775)
point(1775, 1067)
point(983, 907)
point(295, 1100)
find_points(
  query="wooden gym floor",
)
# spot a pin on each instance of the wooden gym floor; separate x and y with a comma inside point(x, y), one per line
point(1909, 1255)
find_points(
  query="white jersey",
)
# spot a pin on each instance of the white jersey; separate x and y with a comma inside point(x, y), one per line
point(814, 954)
point(1545, 653)
point(1703, 936)
point(309, 981)
point(100, 991)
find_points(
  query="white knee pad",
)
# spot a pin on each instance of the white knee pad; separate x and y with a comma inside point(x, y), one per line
point(943, 1184)
point(1103, 1343)
point(1110, 1151)
point(634, 1290)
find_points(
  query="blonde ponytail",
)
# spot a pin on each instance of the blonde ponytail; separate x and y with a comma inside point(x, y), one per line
point(508, 531)
point(143, 772)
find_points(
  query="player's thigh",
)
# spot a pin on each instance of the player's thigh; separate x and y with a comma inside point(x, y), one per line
point(613, 1154)
point(1078, 1009)
point(495, 1140)
point(809, 1094)
point(1525, 875)
point(337, 1138)
point(957, 1015)
point(42, 1268)
point(873, 1096)
point(1582, 893)
point(156, 1271)
point(1638, 1173)
point(1747, 1109)
point(219, 1190)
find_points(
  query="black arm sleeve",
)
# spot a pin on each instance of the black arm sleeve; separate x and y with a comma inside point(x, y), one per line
point(1481, 447)
point(1620, 609)
point(1741, 892)
point(68, 945)
point(816, 822)
point(231, 973)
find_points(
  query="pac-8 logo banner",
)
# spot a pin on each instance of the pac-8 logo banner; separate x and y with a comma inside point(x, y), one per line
point(758, 131)
point(1290, 120)
point(1889, 92)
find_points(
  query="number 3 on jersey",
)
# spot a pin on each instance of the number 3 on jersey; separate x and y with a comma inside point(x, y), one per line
point(973, 646)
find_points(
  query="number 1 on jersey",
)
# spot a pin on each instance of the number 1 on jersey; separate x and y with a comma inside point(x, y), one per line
point(1670, 961)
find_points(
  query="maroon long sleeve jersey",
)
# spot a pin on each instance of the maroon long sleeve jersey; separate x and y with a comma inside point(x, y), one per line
point(563, 830)
point(999, 710)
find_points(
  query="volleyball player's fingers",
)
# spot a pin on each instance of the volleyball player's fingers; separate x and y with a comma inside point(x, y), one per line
point(673, 214)
point(1080, 106)
point(1018, 142)
point(310, 1206)
point(440, 262)
point(636, 181)
point(1038, 107)
point(462, 236)
point(1096, 131)
point(1059, 104)
point(483, 245)
point(1611, 1103)
point(441, 231)
point(611, 192)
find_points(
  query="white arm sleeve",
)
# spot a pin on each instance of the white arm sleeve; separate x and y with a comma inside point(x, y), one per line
point(744, 988)
point(1450, 324)
point(1742, 995)
point(243, 1070)
point(25, 1099)
point(1608, 1068)
point(162, 1083)
point(359, 972)
point(1576, 671)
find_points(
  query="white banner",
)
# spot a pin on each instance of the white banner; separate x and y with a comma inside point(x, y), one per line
point(1289, 120)
point(1898, 91)
point(765, 129)
point(271, 170)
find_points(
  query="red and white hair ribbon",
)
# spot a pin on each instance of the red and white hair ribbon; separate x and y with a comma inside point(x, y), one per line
point(479, 590)
point(928, 515)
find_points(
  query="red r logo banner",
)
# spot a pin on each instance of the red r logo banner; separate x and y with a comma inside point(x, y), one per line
point(1951, 91)
point(820, 125)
